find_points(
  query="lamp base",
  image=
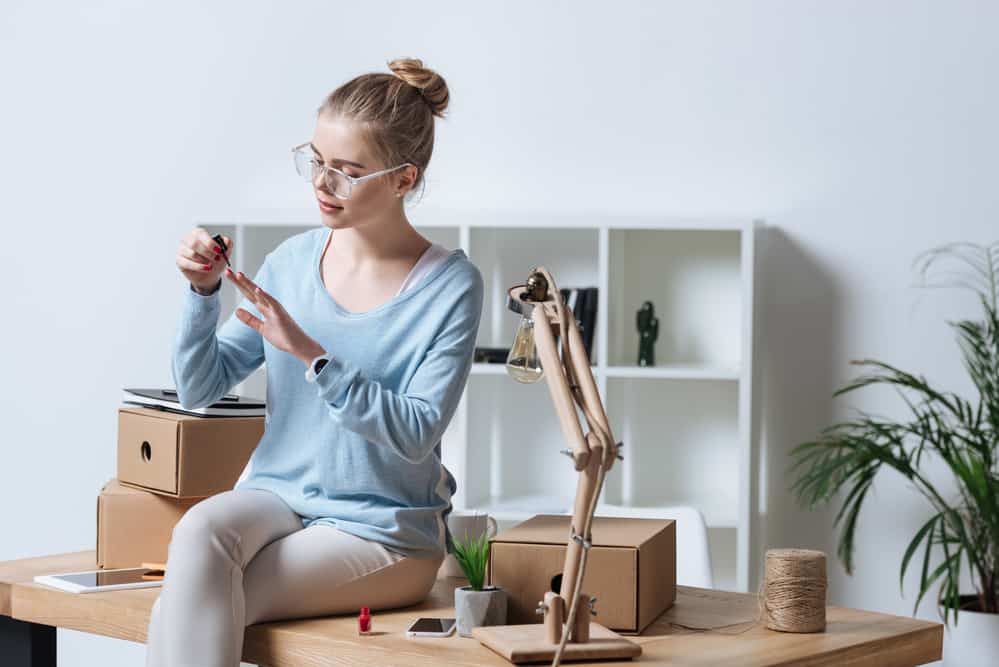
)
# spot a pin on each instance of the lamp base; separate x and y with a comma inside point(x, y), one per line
point(528, 643)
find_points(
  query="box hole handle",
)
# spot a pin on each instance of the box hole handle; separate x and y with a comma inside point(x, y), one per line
point(557, 583)
point(147, 451)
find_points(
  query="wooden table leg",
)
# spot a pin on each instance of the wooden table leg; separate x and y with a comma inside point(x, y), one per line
point(24, 644)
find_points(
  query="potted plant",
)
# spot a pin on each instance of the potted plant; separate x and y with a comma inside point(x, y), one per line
point(964, 526)
point(475, 605)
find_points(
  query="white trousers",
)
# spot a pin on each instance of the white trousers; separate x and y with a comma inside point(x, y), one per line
point(242, 557)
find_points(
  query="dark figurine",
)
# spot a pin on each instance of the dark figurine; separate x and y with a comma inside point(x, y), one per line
point(648, 332)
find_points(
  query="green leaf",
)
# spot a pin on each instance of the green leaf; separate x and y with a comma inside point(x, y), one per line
point(472, 554)
point(911, 549)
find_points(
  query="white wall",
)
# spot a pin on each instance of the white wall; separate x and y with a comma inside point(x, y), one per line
point(862, 132)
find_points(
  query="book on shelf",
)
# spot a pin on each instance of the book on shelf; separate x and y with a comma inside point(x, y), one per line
point(582, 301)
point(491, 355)
point(230, 405)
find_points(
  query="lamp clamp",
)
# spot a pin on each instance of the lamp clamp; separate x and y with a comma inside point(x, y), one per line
point(578, 539)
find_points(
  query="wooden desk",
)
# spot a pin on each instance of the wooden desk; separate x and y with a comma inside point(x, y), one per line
point(853, 637)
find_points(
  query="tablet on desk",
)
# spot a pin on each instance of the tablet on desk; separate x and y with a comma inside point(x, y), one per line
point(95, 581)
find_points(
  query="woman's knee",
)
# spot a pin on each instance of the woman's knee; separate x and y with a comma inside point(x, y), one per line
point(212, 515)
point(195, 526)
point(430, 578)
point(420, 580)
point(200, 530)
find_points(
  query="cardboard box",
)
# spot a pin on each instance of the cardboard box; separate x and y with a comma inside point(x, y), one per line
point(631, 568)
point(183, 455)
point(135, 526)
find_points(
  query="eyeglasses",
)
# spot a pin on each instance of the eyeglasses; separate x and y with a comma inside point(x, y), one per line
point(337, 182)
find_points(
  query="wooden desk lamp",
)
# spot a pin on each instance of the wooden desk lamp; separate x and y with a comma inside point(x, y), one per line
point(570, 380)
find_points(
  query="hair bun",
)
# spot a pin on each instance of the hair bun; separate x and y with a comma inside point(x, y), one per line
point(430, 84)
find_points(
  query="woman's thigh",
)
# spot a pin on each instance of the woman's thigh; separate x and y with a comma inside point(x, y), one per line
point(240, 521)
point(322, 570)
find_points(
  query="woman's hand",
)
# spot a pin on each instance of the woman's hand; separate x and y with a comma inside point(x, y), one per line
point(278, 328)
point(199, 258)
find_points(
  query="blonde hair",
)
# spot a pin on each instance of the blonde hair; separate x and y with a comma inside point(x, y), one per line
point(396, 111)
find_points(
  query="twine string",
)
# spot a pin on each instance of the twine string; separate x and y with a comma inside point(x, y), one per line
point(791, 597)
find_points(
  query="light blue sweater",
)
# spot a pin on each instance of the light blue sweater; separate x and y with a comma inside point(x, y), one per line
point(359, 446)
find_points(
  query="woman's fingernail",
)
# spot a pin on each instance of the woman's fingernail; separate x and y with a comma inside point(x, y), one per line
point(218, 249)
point(208, 267)
point(218, 256)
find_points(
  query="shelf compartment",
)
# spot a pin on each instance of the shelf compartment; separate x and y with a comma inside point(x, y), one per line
point(681, 445)
point(514, 443)
point(483, 368)
point(693, 279)
point(676, 371)
point(505, 256)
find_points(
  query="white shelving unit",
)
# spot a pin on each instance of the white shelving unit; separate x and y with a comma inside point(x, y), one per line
point(686, 422)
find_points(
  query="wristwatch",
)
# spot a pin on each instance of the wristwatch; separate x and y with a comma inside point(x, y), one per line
point(316, 366)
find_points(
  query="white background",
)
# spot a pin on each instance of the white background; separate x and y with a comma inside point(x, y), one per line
point(862, 132)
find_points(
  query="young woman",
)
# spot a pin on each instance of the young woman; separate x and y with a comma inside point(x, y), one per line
point(367, 329)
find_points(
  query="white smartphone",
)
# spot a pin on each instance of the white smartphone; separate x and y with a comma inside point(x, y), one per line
point(95, 581)
point(431, 627)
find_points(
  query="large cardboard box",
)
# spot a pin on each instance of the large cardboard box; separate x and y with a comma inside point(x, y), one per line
point(631, 568)
point(183, 455)
point(135, 526)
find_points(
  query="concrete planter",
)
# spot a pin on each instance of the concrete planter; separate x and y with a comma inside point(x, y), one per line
point(475, 608)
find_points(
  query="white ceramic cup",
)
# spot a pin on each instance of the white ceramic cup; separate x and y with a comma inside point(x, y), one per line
point(465, 525)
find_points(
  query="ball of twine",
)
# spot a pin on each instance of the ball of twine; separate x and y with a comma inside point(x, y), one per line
point(791, 596)
point(794, 590)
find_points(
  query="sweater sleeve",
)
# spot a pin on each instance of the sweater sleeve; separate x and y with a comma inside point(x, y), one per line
point(206, 364)
point(413, 422)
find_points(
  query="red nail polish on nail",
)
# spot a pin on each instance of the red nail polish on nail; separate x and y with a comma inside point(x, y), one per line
point(208, 267)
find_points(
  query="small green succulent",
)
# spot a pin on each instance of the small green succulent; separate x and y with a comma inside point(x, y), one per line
point(472, 553)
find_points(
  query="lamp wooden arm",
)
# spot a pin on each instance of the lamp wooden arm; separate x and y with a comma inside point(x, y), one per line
point(570, 381)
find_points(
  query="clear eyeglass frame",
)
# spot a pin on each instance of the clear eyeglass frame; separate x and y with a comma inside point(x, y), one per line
point(338, 183)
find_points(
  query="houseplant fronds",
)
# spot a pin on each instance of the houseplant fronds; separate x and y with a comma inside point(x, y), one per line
point(963, 434)
point(472, 553)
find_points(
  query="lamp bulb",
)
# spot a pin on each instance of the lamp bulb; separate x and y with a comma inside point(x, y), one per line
point(522, 363)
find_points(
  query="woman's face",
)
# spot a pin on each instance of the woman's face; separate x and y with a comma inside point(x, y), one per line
point(340, 143)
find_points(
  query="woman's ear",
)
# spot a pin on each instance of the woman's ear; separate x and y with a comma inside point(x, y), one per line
point(406, 180)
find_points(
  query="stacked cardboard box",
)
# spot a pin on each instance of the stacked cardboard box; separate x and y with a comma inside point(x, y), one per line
point(167, 463)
